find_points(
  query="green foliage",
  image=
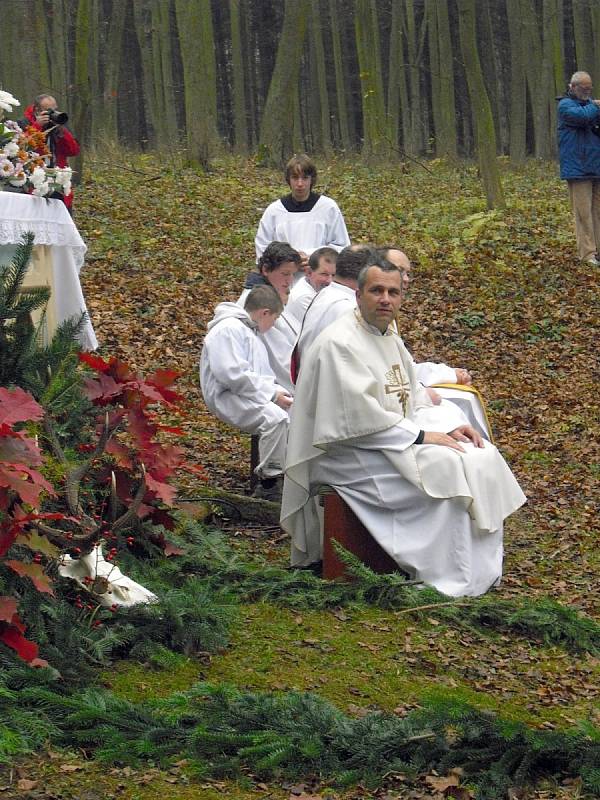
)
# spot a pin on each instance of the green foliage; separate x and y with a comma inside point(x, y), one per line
point(18, 337)
point(209, 556)
point(226, 731)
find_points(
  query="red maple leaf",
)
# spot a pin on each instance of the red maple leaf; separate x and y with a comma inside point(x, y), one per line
point(17, 405)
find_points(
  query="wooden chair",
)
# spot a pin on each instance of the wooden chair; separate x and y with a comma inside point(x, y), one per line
point(342, 524)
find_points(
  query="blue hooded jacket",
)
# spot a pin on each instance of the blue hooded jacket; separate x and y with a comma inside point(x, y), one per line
point(578, 145)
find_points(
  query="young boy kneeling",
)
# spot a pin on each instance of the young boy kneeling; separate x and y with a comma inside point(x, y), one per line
point(239, 386)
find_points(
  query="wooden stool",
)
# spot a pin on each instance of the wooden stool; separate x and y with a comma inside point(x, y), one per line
point(342, 524)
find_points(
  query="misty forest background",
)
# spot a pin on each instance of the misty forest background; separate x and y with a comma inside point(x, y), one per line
point(384, 79)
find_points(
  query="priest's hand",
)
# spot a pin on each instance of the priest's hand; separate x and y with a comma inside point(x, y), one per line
point(463, 376)
point(283, 400)
point(435, 397)
point(466, 433)
point(445, 439)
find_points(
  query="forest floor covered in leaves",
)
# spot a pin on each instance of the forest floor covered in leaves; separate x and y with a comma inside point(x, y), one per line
point(500, 293)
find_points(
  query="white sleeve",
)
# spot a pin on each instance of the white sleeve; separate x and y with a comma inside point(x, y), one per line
point(229, 365)
point(428, 373)
point(398, 438)
point(338, 235)
point(265, 233)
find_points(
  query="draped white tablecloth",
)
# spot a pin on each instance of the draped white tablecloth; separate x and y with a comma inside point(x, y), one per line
point(51, 225)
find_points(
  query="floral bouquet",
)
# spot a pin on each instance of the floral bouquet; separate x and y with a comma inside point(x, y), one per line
point(24, 157)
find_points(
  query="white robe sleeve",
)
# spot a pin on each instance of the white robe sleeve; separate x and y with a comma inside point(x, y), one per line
point(428, 373)
point(266, 231)
point(337, 233)
point(230, 367)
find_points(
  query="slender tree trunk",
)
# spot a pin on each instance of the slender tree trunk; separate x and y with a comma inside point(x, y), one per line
point(518, 98)
point(276, 135)
point(82, 100)
point(582, 27)
point(142, 16)
point(321, 77)
point(375, 138)
point(483, 122)
point(240, 122)
point(165, 124)
point(340, 83)
point(114, 48)
point(415, 37)
point(194, 22)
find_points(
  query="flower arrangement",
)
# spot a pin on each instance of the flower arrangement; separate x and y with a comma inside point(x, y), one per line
point(24, 157)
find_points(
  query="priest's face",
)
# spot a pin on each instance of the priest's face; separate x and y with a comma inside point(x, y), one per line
point(281, 278)
point(380, 297)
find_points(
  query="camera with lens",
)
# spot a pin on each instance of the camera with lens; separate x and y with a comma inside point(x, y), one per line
point(57, 117)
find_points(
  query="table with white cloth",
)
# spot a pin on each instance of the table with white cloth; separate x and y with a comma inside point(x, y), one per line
point(57, 257)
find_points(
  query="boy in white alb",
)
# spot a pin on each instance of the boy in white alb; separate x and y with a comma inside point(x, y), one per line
point(239, 386)
point(304, 219)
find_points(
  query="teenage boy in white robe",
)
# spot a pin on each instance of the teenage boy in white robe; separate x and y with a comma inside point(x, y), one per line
point(239, 386)
point(434, 498)
point(303, 218)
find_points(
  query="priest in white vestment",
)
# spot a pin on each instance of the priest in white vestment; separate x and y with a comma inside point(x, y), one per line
point(424, 483)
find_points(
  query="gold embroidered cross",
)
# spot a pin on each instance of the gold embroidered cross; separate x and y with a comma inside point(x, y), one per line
point(398, 384)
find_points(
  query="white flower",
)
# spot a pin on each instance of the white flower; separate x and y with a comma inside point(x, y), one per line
point(12, 126)
point(38, 176)
point(7, 101)
point(6, 168)
point(63, 176)
point(19, 178)
point(41, 189)
point(10, 149)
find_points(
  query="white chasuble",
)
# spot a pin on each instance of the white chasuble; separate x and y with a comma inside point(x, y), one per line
point(358, 408)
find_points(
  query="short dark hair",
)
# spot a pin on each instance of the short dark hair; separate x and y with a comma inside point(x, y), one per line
point(328, 253)
point(383, 264)
point(263, 296)
point(353, 258)
point(301, 164)
point(276, 254)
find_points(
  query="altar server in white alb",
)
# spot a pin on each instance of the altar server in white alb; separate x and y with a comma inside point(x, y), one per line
point(320, 272)
point(434, 499)
point(277, 267)
point(239, 386)
point(303, 218)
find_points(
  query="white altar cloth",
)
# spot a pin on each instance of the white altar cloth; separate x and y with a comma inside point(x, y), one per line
point(51, 225)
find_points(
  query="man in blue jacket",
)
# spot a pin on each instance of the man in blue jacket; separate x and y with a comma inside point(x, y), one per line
point(579, 153)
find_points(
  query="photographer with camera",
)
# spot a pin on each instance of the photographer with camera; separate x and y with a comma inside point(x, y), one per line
point(579, 154)
point(44, 115)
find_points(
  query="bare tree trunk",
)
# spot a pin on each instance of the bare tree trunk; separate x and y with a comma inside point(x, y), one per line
point(518, 98)
point(376, 143)
point(194, 22)
point(276, 135)
point(340, 83)
point(319, 52)
point(483, 121)
point(240, 121)
point(81, 121)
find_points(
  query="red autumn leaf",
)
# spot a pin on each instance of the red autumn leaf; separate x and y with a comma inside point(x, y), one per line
point(94, 361)
point(17, 405)
point(103, 389)
point(162, 491)
point(120, 453)
point(17, 447)
point(13, 637)
point(28, 483)
point(35, 572)
point(163, 377)
point(8, 608)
